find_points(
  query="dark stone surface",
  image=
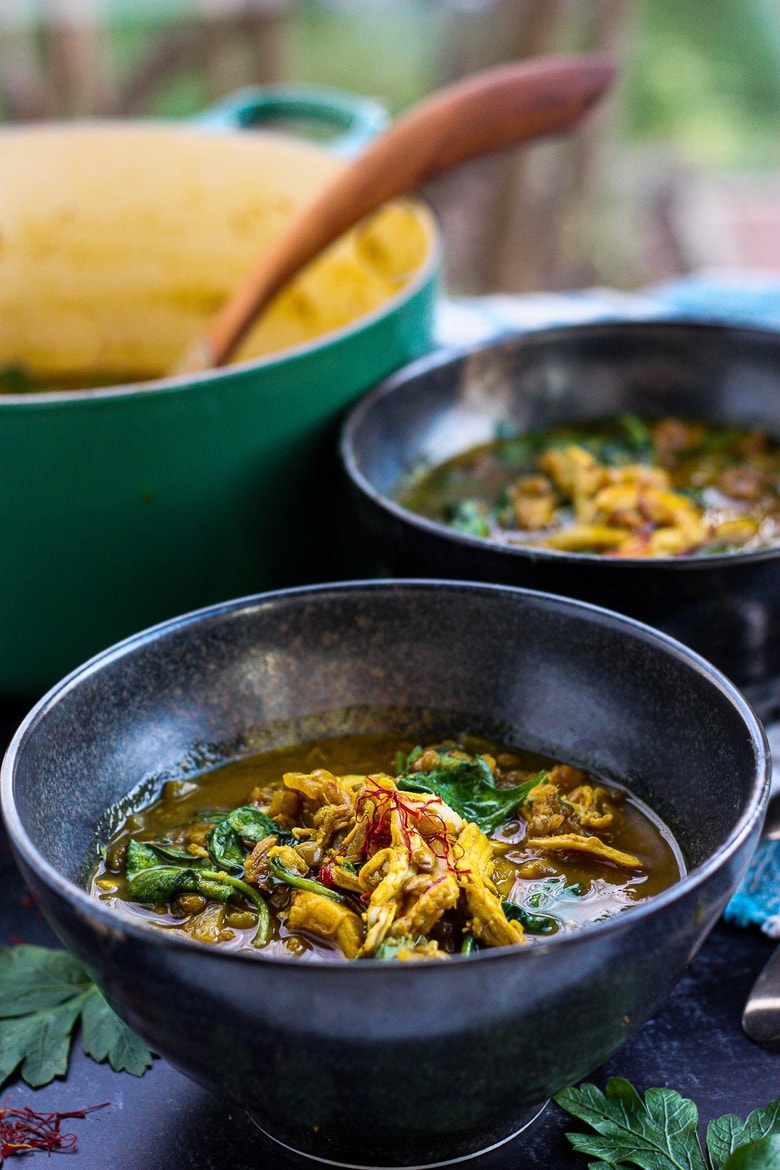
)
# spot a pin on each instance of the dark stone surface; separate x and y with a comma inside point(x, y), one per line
point(694, 1044)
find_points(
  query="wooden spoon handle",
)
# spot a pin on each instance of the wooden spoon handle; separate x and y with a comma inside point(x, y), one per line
point(484, 113)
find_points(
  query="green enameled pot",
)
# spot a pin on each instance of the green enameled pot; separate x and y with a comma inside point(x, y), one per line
point(125, 504)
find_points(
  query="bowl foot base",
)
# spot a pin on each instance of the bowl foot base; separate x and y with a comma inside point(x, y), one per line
point(319, 1148)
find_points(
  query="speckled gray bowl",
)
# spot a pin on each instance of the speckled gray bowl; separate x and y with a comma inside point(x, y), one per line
point(371, 1063)
point(726, 606)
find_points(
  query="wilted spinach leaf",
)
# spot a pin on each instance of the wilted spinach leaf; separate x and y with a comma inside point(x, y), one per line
point(226, 848)
point(286, 877)
point(226, 841)
point(533, 923)
point(139, 857)
point(469, 787)
point(165, 883)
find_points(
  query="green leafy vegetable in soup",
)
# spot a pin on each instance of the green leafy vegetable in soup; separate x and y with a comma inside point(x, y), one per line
point(18, 379)
point(620, 488)
point(373, 847)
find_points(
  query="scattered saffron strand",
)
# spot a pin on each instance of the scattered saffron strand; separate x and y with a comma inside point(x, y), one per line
point(22, 1130)
point(389, 800)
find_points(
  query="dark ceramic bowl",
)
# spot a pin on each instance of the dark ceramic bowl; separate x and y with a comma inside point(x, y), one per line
point(376, 1063)
point(726, 607)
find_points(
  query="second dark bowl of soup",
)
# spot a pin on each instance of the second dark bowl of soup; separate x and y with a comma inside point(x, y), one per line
point(715, 380)
point(385, 1060)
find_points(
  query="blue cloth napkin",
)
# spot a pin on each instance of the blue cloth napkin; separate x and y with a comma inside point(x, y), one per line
point(757, 901)
point(724, 298)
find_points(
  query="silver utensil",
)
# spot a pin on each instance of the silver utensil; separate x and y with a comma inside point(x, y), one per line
point(761, 1017)
point(771, 829)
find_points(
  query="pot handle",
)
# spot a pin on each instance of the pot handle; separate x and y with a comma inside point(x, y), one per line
point(343, 122)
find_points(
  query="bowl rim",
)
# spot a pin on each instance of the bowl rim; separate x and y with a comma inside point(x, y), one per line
point(453, 358)
point(107, 921)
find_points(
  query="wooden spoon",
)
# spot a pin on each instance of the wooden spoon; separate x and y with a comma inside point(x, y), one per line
point(484, 113)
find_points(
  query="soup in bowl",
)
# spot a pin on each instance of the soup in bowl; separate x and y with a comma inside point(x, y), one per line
point(381, 848)
point(632, 465)
point(307, 708)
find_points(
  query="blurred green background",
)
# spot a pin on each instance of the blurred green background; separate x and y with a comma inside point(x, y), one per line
point(677, 171)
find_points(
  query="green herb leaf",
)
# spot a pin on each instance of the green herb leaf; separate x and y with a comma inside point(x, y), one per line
point(247, 824)
point(159, 885)
point(726, 1134)
point(251, 895)
point(138, 858)
point(657, 1133)
point(471, 518)
point(637, 434)
point(468, 787)
point(105, 1037)
point(165, 883)
point(413, 756)
point(37, 979)
point(533, 923)
point(166, 852)
point(40, 1043)
point(286, 876)
point(43, 995)
point(763, 1154)
point(224, 845)
point(252, 825)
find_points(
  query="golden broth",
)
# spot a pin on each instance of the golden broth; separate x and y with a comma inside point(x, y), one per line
point(623, 487)
point(556, 890)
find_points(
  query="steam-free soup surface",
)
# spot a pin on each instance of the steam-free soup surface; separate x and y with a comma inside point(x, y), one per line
point(377, 846)
point(624, 487)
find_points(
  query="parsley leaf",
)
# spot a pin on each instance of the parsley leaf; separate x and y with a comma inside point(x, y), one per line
point(727, 1133)
point(763, 1154)
point(44, 993)
point(105, 1037)
point(659, 1132)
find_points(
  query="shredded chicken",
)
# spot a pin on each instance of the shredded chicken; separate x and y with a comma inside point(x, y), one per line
point(411, 880)
point(554, 807)
point(411, 859)
point(592, 845)
point(475, 875)
point(631, 510)
point(374, 869)
point(326, 919)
